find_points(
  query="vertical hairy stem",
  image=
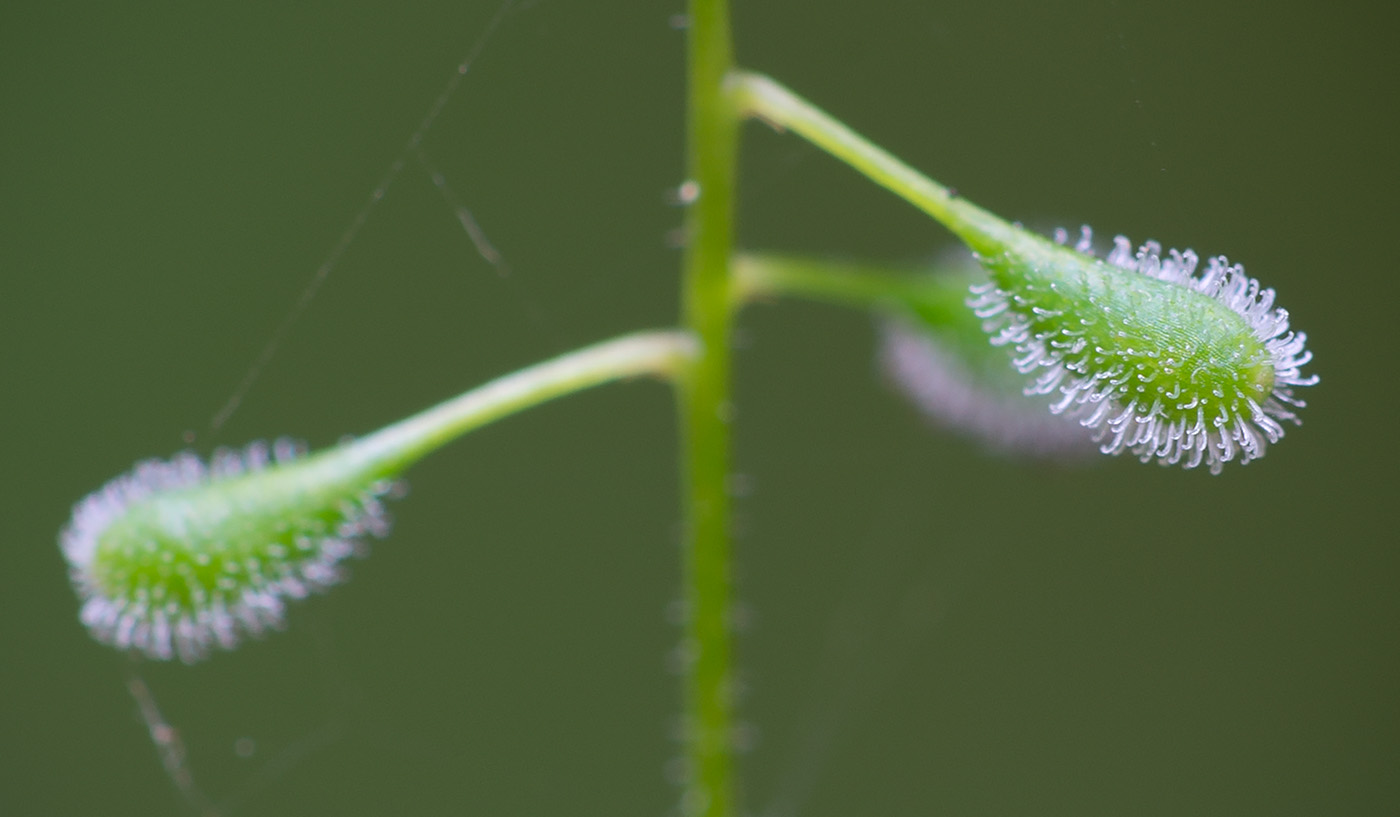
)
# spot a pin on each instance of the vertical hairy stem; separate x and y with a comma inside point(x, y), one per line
point(712, 132)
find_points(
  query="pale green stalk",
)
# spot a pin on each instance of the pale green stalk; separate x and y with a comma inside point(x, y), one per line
point(663, 353)
point(939, 296)
point(761, 97)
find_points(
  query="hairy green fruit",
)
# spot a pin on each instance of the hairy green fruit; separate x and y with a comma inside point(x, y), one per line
point(1163, 363)
point(177, 556)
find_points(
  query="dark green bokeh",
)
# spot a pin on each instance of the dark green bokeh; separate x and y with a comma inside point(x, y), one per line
point(932, 631)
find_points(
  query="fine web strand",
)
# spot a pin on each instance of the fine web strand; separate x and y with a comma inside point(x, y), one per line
point(166, 740)
point(395, 169)
point(175, 759)
point(484, 247)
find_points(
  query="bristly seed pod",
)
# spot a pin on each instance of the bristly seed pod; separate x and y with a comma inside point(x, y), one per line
point(177, 557)
point(1165, 364)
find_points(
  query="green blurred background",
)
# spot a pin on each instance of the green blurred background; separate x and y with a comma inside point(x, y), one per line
point(930, 630)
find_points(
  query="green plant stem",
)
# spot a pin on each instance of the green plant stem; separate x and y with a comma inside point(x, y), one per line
point(712, 145)
point(761, 97)
point(939, 295)
point(665, 353)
